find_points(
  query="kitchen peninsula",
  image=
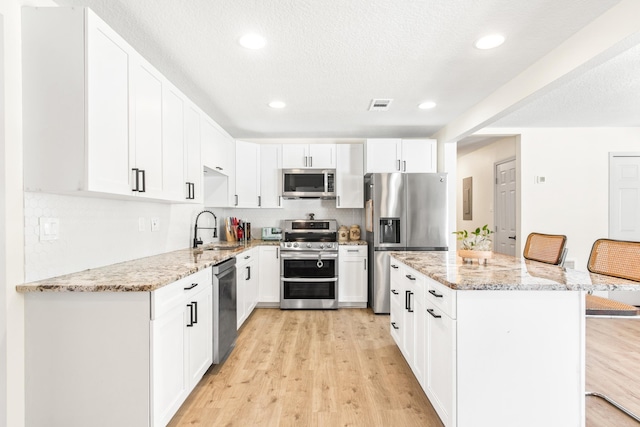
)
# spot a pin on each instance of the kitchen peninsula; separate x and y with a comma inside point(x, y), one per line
point(500, 344)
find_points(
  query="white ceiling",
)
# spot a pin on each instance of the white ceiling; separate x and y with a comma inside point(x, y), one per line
point(328, 58)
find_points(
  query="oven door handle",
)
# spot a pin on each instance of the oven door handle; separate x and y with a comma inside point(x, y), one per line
point(286, 279)
point(308, 255)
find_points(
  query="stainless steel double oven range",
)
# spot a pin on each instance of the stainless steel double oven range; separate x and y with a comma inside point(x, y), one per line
point(309, 264)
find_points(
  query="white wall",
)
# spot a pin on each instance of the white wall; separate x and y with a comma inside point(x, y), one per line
point(479, 165)
point(574, 199)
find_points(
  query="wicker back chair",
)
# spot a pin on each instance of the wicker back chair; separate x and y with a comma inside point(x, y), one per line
point(548, 248)
point(616, 258)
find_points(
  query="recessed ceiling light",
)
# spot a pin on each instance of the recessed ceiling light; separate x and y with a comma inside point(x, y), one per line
point(490, 41)
point(252, 41)
point(277, 104)
point(427, 105)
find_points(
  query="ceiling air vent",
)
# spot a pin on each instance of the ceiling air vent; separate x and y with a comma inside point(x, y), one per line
point(380, 104)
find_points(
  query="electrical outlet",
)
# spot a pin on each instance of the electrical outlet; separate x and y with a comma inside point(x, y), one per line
point(142, 224)
point(155, 224)
point(49, 228)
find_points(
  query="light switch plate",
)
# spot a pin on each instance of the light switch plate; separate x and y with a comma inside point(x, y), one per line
point(49, 228)
point(155, 224)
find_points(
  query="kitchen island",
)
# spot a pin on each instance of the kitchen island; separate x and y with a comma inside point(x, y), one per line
point(501, 344)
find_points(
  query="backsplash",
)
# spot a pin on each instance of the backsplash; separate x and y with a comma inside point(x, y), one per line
point(95, 232)
point(295, 209)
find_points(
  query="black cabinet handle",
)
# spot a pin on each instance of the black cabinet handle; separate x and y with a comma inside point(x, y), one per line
point(393, 324)
point(394, 266)
point(430, 311)
point(408, 276)
point(193, 285)
point(512, 237)
point(144, 183)
point(236, 199)
point(195, 309)
point(137, 179)
point(406, 299)
point(432, 292)
point(259, 200)
point(188, 190)
point(190, 315)
point(409, 308)
point(248, 267)
point(393, 291)
point(277, 253)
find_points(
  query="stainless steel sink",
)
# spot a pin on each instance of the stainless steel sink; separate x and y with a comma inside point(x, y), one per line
point(226, 247)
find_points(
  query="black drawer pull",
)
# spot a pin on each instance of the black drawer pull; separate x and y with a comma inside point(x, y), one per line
point(432, 292)
point(430, 311)
point(394, 266)
point(393, 324)
point(393, 291)
point(410, 277)
point(193, 285)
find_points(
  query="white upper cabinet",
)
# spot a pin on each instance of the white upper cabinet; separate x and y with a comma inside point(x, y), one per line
point(75, 140)
point(147, 100)
point(217, 148)
point(350, 176)
point(247, 174)
point(316, 156)
point(173, 137)
point(99, 118)
point(270, 175)
point(400, 155)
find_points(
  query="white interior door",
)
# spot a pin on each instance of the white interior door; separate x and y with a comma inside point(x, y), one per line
point(504, 240)
point(624, 206)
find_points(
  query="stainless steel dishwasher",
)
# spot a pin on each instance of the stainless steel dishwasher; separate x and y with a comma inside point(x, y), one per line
point(224, 310)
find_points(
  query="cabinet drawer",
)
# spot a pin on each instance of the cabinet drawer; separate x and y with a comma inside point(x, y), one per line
point(395, 270)
point(168, 297)
point(347, 251)
point(442, 297)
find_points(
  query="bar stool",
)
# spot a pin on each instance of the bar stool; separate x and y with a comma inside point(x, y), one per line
point(547, 248)
point(615, 258)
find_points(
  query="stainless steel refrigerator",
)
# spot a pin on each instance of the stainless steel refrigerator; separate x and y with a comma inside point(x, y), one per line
point(404, 212)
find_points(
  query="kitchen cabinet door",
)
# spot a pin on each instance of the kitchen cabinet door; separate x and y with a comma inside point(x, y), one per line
point(270, 176)
point(216, 147)
point(173, 110)
point(76, 119)
point(199, 326)
point(350, 176)
point(352, 276)
point(170, 386)
point(295, 156)
point(247, 174)
point(419, 155)
point(383, 155)
point(322, 156)
point(396, 311)
point(269, 281)
point(440, 358)
point(246, 284)
point(148, 160)
point(192, 160)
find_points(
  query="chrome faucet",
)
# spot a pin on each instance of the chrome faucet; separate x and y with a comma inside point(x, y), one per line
point(197, 241)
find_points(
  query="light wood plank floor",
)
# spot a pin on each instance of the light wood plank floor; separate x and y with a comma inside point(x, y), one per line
point(342, 368)
point(613, 369)
point(311, 368)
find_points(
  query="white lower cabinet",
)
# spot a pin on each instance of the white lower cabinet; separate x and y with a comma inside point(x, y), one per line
point(181, 334)
point(269, 286)
point(352, 275)
point(247, 264)
point(116, 358)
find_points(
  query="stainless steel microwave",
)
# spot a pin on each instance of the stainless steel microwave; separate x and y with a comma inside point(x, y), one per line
point(309, 183)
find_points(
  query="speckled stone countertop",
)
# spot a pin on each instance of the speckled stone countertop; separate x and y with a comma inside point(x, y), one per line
point(353, 243)
point(506, 273)
point(143, 274)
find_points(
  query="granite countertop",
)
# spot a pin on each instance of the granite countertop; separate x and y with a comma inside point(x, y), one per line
point(503, 272)
point(143, 274)
point(353, 243)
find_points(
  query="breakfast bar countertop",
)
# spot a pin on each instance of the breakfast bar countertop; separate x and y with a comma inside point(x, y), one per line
point(507, 273)
point(142, 274)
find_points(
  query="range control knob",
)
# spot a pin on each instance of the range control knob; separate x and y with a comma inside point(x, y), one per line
point(329, 245)
point(308, 245)
point(322, 245)
point(295, 245)
point(288, 244)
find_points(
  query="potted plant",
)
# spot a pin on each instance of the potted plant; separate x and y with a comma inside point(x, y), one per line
point(475, 244)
